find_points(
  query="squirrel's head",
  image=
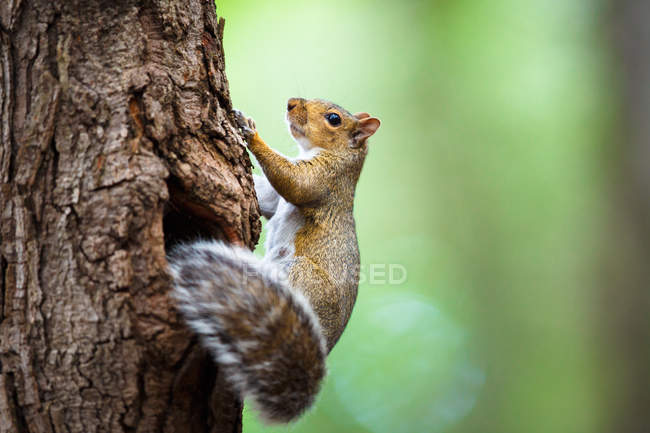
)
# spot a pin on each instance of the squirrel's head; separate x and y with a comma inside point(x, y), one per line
point(318, 123)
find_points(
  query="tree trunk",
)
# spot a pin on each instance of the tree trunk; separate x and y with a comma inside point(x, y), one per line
point(626, 303)
point(115, 143)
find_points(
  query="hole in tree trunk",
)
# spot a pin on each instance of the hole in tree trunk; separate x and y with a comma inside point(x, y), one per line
point(186, 220)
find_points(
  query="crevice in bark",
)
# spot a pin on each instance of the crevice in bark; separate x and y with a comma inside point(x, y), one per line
point(3, 272)
point(18, 416)
point(55, 155)
point(13, 14)
point(8, 109)
point(198, 371)
point(198, 380)
point(141, 396)
point(28, 78)
point(52, 39)
point(209, 43)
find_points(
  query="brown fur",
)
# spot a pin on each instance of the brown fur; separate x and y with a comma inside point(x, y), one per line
point(326, 264)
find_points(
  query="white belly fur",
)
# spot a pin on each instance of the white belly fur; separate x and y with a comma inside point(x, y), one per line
point(282, 228)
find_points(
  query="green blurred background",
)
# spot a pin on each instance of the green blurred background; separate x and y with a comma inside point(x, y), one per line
point(489, 182)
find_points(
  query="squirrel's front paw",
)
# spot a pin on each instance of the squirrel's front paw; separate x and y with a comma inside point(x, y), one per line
point(245, 124)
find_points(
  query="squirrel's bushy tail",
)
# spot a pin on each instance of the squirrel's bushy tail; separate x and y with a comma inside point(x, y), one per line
point(263, 335)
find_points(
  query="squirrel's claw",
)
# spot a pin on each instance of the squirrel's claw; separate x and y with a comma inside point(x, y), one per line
point(245, 124)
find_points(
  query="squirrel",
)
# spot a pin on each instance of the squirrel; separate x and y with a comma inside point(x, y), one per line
point(270, 323)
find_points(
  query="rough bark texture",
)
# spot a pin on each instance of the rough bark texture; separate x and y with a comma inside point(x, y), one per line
point(114, 144)
point(627, 295)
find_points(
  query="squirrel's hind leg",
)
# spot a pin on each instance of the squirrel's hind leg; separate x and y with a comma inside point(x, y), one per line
point(312, 280)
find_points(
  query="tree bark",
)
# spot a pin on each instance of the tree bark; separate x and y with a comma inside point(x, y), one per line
point(115, 143)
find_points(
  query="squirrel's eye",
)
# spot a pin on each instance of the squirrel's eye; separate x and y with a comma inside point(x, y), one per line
point(333, 119)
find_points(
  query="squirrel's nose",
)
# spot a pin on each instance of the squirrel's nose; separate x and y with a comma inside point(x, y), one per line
point(293, 102)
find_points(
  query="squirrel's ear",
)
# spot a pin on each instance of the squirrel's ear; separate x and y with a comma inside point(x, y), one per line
point(367, 126)
point(361, 115)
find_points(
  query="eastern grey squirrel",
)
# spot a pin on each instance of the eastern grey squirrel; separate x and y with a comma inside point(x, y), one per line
point(270, 323)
